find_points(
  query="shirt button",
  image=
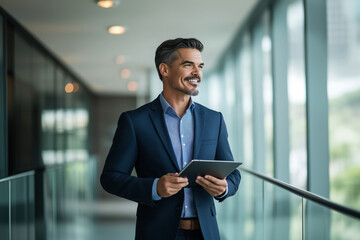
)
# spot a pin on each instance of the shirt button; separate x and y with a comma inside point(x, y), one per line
point(184, 162)
point(184, 144)
point(185, 206)
point(182, 136)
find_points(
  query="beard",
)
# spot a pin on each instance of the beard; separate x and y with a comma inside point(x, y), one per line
point(194, 92)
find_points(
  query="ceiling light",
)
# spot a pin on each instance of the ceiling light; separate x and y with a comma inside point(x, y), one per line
point(125, 73)
point(69, 88)
point(120, 59)
point(132, 86)
point(106, 3)
point(117, 30)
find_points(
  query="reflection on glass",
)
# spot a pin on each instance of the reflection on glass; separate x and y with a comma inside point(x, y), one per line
point(344, 227)
point(248, 225)
point(4, 213)
point(267, 95)
point(343, 19)
point(316, 220)
point(24, 129)
point(214, 93)
point(229, 113)
point(59, 117)
point(245, 65)
point(297, 94)
point(22, 214)
point(282, 212)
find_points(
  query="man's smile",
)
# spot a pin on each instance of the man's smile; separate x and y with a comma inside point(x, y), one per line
point(194, 80)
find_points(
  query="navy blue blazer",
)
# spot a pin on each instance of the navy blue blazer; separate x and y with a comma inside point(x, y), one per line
point(142, 141)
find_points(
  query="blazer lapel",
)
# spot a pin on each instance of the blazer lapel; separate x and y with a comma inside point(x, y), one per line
point(199, 129)
point(157, 117)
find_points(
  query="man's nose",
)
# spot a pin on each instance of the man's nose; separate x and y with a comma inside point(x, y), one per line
point(197, 71)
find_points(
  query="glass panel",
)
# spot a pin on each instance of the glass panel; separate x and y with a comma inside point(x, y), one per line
point(4, 210)
point(81, 124)
point(267, 95)
point(19, 209)
point(245, 61)
point(60, 207)
point(344, 227)
point(230, 115)
point(47, 102)
point(283, 213)
point(296, 217)
point(50, 203)
point(317, 221)
point(297, 94)
point(3, 115)
point(24, 128)
point(30, 222)
point(215, 93)
point(69, 120)
point(241, 216)
point(60, 116)
point(344, 100)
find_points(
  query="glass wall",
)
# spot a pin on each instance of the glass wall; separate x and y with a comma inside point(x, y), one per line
point(3, 145)
point(296, 93)
point(271, 52)
point(309, 220)
point(267, 94)
point(247, 106)
point(47, 176)
point(343, 18)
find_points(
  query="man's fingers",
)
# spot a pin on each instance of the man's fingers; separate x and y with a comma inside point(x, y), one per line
point(212, 185)
point(215, 180)
point(175, 179)
point(170, 184)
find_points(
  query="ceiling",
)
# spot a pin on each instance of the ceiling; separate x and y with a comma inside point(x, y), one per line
point(76, 31)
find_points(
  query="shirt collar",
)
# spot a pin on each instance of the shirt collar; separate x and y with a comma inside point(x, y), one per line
point(166, 106)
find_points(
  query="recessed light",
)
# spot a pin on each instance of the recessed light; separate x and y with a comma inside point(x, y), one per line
point(120, 59)
point(125, 73)
point(69, 88)
point(117, 30)
point(107, 3)
point(132, 86)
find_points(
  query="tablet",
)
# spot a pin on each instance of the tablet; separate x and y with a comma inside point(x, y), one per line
point(216, 168)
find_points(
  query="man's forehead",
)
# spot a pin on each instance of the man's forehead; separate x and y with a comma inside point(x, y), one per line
point(191, 54)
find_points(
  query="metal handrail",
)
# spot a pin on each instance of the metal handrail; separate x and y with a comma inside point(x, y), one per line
point(308, 195)
point(20, 175)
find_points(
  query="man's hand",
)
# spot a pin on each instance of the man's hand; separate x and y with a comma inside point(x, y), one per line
point(214, 186)
point(170, 184)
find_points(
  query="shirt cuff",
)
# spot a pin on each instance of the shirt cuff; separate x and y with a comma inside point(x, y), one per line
point(223, 195)
point(155, 196)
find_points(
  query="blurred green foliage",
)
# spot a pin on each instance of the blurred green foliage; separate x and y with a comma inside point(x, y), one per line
point(344, 140)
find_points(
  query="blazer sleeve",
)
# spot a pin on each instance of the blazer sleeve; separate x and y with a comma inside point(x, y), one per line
point(116, 176)
point(223, 151)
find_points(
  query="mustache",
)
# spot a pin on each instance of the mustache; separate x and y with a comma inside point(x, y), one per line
point(192, 77)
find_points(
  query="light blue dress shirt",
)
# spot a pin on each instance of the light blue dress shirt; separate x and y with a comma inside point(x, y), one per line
point(181, 131)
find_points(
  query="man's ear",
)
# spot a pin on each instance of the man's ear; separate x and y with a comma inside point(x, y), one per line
point(164, 69)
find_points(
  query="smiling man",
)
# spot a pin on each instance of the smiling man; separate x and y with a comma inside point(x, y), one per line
point(159, 139)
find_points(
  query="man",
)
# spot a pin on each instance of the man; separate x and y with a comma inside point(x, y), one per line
point(159, 139)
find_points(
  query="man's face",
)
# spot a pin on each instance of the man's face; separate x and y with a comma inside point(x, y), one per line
point(185, 73)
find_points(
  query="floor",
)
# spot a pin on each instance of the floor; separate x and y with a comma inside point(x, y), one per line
point(111, 220)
